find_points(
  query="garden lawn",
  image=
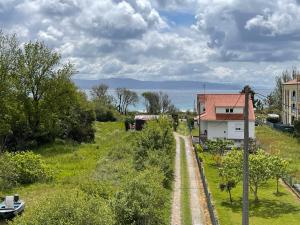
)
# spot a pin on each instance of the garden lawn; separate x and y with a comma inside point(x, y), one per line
point(271, 209)
point(284, 144)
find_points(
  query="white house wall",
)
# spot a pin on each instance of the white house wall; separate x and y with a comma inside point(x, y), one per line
point(216, 129)
point(233, 133)
point(226, 129)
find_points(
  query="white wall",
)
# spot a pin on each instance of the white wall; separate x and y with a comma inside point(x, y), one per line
point(233, 133)
point(236, 110)
point(216, 129)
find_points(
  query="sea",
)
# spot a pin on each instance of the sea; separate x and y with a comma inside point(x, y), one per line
point(184, 100)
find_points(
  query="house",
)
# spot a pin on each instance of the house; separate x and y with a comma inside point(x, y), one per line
point(222, 116)
point(140, 120)
point(291, 101)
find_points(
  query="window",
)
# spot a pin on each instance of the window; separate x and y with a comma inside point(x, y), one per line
point(227, 110)
point(294, 93)
point(293, 106)
point(231, 110)
point(238, 127)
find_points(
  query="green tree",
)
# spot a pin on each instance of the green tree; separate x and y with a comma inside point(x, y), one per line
point(231, 171)
point(259, 170)
point(152, 102)
point(8, 62)
point(125, 98)
point(158, 102)
point(279, 168)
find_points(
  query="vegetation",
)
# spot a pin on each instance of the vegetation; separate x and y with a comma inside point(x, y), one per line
point(101, 173)
point(158, 102)
point(156, 147)
point(282, 144)
point(274, 100)
point(125, 98)
point(68, 207)
point(186, 217)
point(39, 102)
point(271, 209)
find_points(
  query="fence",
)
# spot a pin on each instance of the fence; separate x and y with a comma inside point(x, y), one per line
point(293, 184)
point(211, 208)
point(281, 127)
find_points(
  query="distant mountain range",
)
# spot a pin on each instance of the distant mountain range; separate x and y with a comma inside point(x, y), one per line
point(138, 84)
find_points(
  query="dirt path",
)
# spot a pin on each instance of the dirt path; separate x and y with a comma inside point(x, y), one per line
point(176, 204)
point(196, 195)
point(196, 208)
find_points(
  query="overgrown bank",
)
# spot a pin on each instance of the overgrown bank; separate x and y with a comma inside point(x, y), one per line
point(121, 171)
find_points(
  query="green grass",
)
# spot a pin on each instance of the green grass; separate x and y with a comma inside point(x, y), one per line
point(271, 209)
point(195, 132)
point(183, 129)
point(77, 164)
point(186, 218)
point(284, 144)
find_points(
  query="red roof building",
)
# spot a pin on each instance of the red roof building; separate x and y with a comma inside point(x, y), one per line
point(222, 116)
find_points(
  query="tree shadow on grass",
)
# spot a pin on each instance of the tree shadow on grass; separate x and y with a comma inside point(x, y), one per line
point(264, 208)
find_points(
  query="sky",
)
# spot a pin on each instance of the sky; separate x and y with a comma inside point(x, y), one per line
point(234, 41)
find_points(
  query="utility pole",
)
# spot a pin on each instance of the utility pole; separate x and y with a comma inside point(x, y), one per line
point(246, 159)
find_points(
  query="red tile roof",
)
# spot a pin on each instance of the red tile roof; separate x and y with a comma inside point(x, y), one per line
point(224, 100)
point(292, 82)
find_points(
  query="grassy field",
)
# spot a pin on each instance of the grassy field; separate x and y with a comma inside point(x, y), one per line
point(186, 218)
point(76, 165)
point(284, 144)
point(271, 209)
point(182, 128)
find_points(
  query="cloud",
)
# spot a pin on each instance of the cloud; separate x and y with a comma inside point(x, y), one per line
point(229, 40)
point(251, 30)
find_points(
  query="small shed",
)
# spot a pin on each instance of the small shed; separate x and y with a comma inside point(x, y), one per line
point(140, 120)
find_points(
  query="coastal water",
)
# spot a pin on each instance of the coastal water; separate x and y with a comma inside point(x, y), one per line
point(182, 99)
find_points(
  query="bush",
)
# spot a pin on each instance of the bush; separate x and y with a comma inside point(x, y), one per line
point(105, 113)
point(141, 200)
point(22, 168)
point(156, 147)
point(67, 208)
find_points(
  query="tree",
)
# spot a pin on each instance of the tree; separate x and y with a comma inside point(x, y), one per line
point(125, 98)
point(279, 168)
point(37, 67)
point(152, 102)
point(260, 170)
point(231, 171)
point(100, 94)
point(158, 102)
point(39, 102)
point(274, 100)
point(9, 51)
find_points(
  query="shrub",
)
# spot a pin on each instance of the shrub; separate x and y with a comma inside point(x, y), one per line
point(8, 172)
point(68, 208)
point(30, 168)
point(141, 200)
point(22, 168)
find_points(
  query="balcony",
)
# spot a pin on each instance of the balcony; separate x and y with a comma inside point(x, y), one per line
point(294, 98)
